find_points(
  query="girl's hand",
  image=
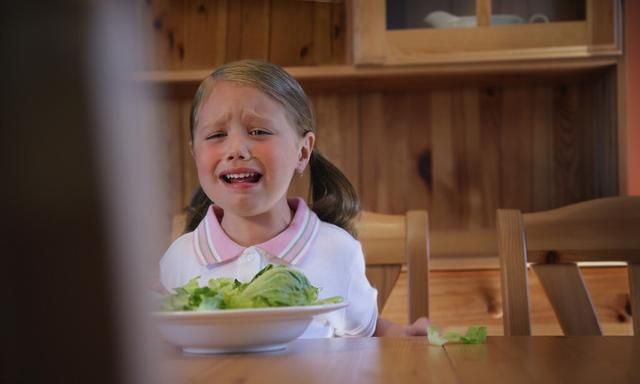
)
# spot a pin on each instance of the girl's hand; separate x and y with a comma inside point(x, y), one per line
point(389, 328)
point(418, 328)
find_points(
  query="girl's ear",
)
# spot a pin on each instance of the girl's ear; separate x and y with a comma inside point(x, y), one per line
point(191, 148)
point(304, 153)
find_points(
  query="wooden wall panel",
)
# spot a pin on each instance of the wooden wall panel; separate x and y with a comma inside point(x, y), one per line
point(338, 137)
point(489, 102)
point(160, 29)
point(292, 30)
point(233, 42)
point(417, 113)
point(190, 34)
point(467, 125)
point(466, 154)
point(321, 46)
point(528, 147)
point(340, 50)
point(394, 129)
point(568, 167)
point(515, 149)
point(542, 148)
point(378, 153)
point(256, 24)
point(604, 141)
point(446, 208)
point(183, 34)
point(204, 26)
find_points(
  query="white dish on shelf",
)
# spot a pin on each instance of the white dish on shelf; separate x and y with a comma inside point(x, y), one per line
point(442, 19)
point(238, 330)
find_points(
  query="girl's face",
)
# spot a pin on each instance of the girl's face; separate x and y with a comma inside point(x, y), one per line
point(246, 150)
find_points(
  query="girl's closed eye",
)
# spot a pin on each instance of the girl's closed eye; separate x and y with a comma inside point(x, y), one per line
point(259, 132)
point(215, 135)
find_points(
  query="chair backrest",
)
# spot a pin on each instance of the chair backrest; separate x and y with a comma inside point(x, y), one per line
point(390, 242)
point(553, 241)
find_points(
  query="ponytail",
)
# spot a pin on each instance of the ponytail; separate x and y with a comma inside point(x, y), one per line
point(197, 210)
point(334, 199)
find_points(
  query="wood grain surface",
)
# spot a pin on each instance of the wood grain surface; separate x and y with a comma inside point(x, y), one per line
point(414, 360)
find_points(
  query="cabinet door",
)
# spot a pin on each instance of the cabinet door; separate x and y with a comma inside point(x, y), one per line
point(389, 32)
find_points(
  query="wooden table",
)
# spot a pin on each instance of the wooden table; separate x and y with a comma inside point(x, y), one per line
point(603, 359)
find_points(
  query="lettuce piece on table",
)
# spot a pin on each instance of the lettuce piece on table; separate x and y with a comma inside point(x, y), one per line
point(434, 336)
point(474, 335)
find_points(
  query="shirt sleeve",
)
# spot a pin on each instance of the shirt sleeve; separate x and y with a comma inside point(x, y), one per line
point(362, 313)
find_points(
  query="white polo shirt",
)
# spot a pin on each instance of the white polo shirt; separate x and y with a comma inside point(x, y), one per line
point(330, 257)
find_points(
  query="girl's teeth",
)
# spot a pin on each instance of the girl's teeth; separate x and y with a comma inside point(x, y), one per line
point(239, 175)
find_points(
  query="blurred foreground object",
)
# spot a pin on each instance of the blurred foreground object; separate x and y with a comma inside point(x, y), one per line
point(78, 227)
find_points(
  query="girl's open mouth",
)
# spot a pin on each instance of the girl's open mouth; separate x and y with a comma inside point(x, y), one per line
point(241, 177)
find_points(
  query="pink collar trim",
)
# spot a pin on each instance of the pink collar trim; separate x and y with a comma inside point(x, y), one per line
point(212, 246)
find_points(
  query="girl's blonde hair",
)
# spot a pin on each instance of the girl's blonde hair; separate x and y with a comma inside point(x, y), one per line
point(334, 199)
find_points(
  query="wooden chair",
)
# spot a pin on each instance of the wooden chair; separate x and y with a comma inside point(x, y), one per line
point(391, 242)
point(553, 241)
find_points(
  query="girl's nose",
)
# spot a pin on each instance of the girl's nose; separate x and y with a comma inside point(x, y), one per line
point(238, 148)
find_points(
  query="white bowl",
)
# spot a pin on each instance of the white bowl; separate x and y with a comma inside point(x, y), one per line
point(238, 330)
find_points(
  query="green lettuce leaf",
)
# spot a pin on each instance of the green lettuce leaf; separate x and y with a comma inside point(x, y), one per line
point(275, 287)
point(434, 336)
point(474, 335)
point(272, 286)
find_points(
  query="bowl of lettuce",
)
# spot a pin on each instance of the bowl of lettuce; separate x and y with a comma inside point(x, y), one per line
point(226, 315)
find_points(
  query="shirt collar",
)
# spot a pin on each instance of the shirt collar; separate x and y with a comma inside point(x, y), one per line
point(212, 246)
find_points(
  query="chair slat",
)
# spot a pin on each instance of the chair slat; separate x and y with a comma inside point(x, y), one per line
point(569, 298)
point(513, 268)
point(634, 296)
point(418, 264)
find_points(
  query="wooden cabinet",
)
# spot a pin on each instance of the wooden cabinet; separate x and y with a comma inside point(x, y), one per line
point(543, 29)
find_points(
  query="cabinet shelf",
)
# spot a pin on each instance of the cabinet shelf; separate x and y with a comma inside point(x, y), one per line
point(355, 78)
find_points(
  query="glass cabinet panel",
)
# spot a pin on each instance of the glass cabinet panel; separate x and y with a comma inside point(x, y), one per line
point(412, 14)
point(536, 11)
point(409, 14)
